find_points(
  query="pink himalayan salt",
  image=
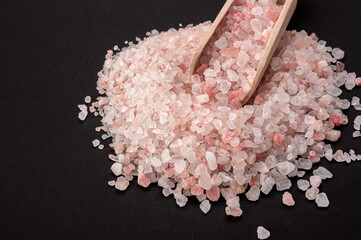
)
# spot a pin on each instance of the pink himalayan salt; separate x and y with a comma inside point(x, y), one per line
point(285, 111)
point(287, 199)
point(358, 81)
point(213, 194)
point(251, 26)
point(315, 181)
point(234, 211)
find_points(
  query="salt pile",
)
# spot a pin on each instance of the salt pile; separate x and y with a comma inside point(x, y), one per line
point(194, 138)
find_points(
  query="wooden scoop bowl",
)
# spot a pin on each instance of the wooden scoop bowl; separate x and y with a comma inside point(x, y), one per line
point(288, 9)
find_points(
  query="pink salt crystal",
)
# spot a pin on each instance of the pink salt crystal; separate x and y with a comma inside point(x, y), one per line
point(117, 169)
point(201, 69)
point(278, 138)
point(234, 211)
point(358, 81)
point(315, 181)
point(333, 135)
point(336, 119)
point(213, 194)
point(356, 134)
point(143, 180)
point(287, 199)
point(196, 190)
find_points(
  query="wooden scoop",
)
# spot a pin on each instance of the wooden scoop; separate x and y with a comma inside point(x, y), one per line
point(288, 9)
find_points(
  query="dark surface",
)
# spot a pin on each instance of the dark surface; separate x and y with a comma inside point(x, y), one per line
point(53, 184)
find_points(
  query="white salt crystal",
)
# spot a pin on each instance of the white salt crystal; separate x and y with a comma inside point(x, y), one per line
point(338, 53)
point(211, 160)
point(101, 147)
point(204, 181)
point(87, 99)
point(221, 43)
point(268, 185)
point(122, 183)
point(253, 193)
point(285, 167)
point(328, 154)
point(323, 173)
point(322, 200)
point(232, 75)
point(181, 200)
point(179, 166)
point(111, 183)
point(165, 182)
point(300, 173)
point(82, 115)
point(224, 86)
point(311, 193)
point(83, 107)
point(166, 192)
point(209, 73)
point(263, 233)
point(202, 98)
point(95, 142)
point(117, 168)
point(304, 163)
point(355, 100)
point(283, 185)
point(205, 206)
point(303, 184)
point(156, 162)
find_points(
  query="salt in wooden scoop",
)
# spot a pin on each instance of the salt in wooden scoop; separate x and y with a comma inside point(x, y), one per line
point(288, 9)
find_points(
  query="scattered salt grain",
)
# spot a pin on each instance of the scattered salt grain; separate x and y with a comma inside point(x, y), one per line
point(338, 53)
point(311, 193)
point(205, 206)
point(287, 199)
point(181, 200)
point(315, 181)
point(253, 193)
point(263, 233)
point(96, 143)
point(322, 200)
point(87, 99)
point(303, 184)
point(323, 173)
point(122, 183)
point(101, 147)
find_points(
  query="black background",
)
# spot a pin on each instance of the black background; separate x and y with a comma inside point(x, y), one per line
point(53, 184)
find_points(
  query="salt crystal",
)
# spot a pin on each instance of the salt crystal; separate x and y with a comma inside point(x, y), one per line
point(268, 185)
point(303, 163)
point(303, 184)
point(181, 200)
point(300, 173)
point(179, 166)
point(338, 53)
point(263, 233)
point(323, 173)
point(117, 168)
point(205, 206)
point(122, 183)
point(253, 193)
point(322, 200)
point(165, 182)
point(211, 160)
point(285, 167)
point(283, 185)
point(221, 43)
point(203, 98)
point(101, 147)
point(287, 199)
point(166, 192)
point(311, 193)
point(95, 142)
point(82, 115)
point(87, 99)
point(111, 183)
point(355, 100)
point(315, 181)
